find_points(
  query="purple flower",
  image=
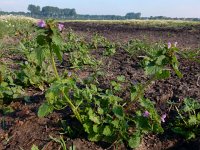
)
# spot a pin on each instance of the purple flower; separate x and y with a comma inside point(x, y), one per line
point(169, 45)
point(134, 82)
point(69, 74)
point(175, 44)
point(163, 117)
point(41, 24)
point(60, 26)
point(146, 114)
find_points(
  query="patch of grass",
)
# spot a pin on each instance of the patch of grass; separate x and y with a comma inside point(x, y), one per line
point(15, 25)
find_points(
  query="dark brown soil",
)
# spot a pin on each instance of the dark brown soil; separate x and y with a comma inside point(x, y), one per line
point(186, 37)
point(23, 128)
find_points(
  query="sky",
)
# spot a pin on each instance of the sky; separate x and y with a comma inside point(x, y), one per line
point(169, 8)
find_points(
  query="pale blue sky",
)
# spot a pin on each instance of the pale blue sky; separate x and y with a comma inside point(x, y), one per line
point(171, 8)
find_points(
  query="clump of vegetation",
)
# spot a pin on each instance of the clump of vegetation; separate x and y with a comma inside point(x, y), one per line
point(187, 120)
point(101, 113)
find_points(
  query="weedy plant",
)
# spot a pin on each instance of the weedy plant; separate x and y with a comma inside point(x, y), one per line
point(33, 72)
point(8, 89)
point(191, 55)
point(101, 42)
point(98, 41)
point(103, 115)
point(137, 47)
point(158, 65)
point(187, 120)
point(49, 39)
point(79, 52)
point(60, 141)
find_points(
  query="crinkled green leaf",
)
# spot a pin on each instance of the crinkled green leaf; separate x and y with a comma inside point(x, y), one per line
point(107, 131)
point(45, 109)
point(121, 78)
point(118, 111)
point(135, 140)
point(160, 59)
point(192, 120)
point(93, 117)
point(163, 75)
point(34, 147)
point(57, 50)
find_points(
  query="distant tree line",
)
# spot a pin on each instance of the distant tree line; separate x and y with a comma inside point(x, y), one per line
point(66, 13)
point(50, 12)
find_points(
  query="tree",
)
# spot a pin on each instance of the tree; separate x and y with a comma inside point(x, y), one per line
point(133, 15)
point(34, 10)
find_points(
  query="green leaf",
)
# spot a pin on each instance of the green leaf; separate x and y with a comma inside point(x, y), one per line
point(135, 140)
point(100, 111)
point(147, 104)
point(57, 40)
point(41, 40)
point(57, 50)
point(107, 131)
point(40, 54)
point(143, 124)
point(164, 75)
point(93, 88)
point(34, 147)
point(115, 123)
point(175, 67)
point(185, 133)
point(118, 111)
point(121, 78)
point(198, 116)
point(94, 137)
point(160, 59)
point(93, 117)
point(192, 120)
point(45, 109)
point(151, 70)
point(88, 127)
point(7, 110)
point(95, 128)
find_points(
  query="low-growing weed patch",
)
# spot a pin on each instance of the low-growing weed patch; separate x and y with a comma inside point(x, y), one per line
point(102, 113)
point(49, 63)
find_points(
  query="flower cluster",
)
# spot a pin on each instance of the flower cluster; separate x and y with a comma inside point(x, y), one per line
point(146, 115)
point(60, 27)
point(42, 24)
point(169, 45)
point(163, 117)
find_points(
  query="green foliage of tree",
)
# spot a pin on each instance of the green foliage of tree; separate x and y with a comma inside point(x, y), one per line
point(133, 15)
point(34, 10)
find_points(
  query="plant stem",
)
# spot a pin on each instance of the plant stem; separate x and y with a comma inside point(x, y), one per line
point(141, 91)
point(53, 63)
point(181, 115)
point(74, 109)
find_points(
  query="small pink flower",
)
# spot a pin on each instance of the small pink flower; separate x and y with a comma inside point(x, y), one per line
point(69, 74)
point(169, 45)
point(60, 26)
point(41, 23)
point(175, 44)
point(146, 114)
point(163, 117)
